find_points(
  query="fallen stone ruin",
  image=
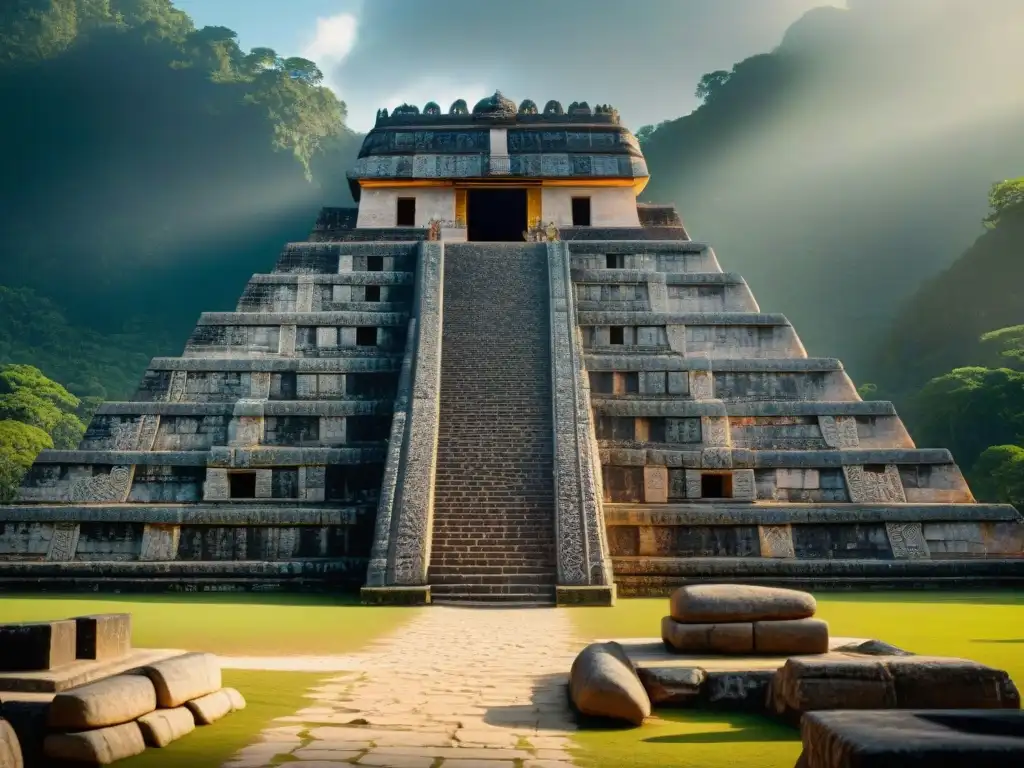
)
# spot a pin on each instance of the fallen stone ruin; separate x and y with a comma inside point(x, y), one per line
point(75, 692)
point(710, 657)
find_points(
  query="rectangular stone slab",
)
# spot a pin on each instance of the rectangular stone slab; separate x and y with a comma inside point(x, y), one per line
point(77, 673)
point(708, 638)
point(99, 747)
point(113, 701)
point(212, 707)
point(184, 678)
point(36, 646)
point(104, 636)
point(798, 636)
point(163, 726)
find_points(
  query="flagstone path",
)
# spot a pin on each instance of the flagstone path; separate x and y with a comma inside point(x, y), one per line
point(452, 688)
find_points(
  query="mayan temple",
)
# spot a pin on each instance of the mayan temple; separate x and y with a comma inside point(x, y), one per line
point(499, 379)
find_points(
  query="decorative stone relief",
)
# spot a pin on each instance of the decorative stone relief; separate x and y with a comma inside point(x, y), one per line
point(264, 483)
point(245, 431)
point(907, 541)
point(312, 482)
point(776, 540)
point(286, 541)
point(701, 385)
point(744, 487)
point(176, 390)
point(216, 487)
point(839, 431)
point(148, 429)
point(160, 542)
point(716, 458)
point(693, 485)
point(874, 487)
point(656, 485)
point(64, 542)
point(714, 431)
point(675, 335)
point(286, 345)
point(112, 488)
point(657, 296)
point(259, 385)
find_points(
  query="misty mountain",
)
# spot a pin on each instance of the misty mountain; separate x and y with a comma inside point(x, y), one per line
point(851, 164)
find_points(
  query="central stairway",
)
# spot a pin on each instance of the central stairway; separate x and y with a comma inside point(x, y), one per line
point(494, 503)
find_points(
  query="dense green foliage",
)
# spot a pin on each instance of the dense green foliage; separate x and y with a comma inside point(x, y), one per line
point(842, 170)
point(35, 413)
point(147, 169)
point(1006, 197)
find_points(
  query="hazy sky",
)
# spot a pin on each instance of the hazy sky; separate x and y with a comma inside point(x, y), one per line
point(643, 57)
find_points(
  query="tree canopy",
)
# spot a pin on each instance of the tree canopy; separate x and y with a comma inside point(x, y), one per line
point(1005, 197)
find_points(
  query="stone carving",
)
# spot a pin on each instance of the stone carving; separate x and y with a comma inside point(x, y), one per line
point(907, 541)
point(701, 385)
point(874, 487)
point(160, 542)
point(216, 487)
point(176, 389)
point(259, 385)
point(112, 488)
point(148, 428)
point(714, 431)
point(656, 485)
point(286, 346)
point(744, 486)
point(839, 432)
point(541, 233)
point(693, 484)
point(64, 542)
point(776, 540)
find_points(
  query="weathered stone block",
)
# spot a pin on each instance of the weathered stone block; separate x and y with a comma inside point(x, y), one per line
point(940, 683)
point(163, 726)
point(707, 638)
point(183, 678)
point(99, 747)
point(10, 748)
point(36, 646)
point(603, 683)
point(115, 700)
point(807, 684)
point(672, 686)
point(237, 699)
point(656, 485)
point(598, 595)
point(104, 636)
point(210, 708)
point(710, 603)
point(791, 637)
point(744, 691)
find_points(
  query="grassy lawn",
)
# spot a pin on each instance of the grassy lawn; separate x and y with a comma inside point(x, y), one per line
point(229, 624)
point(987, 627)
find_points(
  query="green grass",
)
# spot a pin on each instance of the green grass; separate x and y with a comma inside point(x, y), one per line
point(229, 624)
point(986, 626)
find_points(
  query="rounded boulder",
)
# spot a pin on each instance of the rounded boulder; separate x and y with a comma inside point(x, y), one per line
point(723, 603)
point(603, 683)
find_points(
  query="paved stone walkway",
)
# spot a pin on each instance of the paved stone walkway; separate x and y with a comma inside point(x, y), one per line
point(453, 688)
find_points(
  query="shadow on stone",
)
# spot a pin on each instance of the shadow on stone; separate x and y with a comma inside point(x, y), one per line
point(549, 709)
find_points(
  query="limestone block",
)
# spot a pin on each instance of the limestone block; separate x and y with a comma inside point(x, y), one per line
point(161, 727)
point(715, 431)
point(711, 603)
point(63, 542)
point(678, 383)
point(10, 748)
point(36, 646)
point(345, 263)
point(808, 684)
point(305, 386)
point(236, 698)
point(744, 485)
point(264, 483)
point(210, 708)
point(312, 482)
point(672, 686)
point(332, 430)
point(115, 700)
point(676, 337)
point(216, 487)
point(286, 341)
point(603, 683)
point(184, 678)
point(693, 484)
point(656, 485)
point(940, 683)
point(839, 432)
point(701, 385)
point(776, 540)
point(867, 487)
point(160, 542)
point(735, 637)
point(799, 479)
point(99, 747)
point(791, 637)
point(326, 337)
point(347, 337)
point(259, 385)
point(341, 293)
point(245, 431)
point(104, 636)
point(907, 541)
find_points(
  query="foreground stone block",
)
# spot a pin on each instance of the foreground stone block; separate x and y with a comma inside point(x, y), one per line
point(163, 726)
point(937, 683)
point(707, 638)
point(717, 603)
point(116, 700)
point(796, 636)
point(907, 739)
point(104, 636)
point(806, 685)
point(36, 646)
point(237, 699)
point(210, 708)
point(395, 595)
point(10, 749)
point(745, 691)
point(603, 683)
point(672, 686)
point(100, 747)
point(184, 678)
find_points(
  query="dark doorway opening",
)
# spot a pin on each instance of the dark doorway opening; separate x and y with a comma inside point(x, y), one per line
point(581, 211)
point(406, 214)
point(496, 215)
point(242, 484)
point(714, 486)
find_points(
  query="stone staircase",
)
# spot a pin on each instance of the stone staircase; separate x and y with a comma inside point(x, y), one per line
point(493, 536)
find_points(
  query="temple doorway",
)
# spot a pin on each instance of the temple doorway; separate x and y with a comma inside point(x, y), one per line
point(496, 215)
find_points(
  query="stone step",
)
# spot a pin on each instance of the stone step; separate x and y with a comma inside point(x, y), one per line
point(486, 570)
point(491, 590)
point(487, 579)
point(503, 601)
point(491, 560)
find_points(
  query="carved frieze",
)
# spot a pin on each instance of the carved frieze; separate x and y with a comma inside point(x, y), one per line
point(176, 389)
point(701, 385)
point(776, 540)
point(656, 485)
point(160, 542)
point(870, 487)
point(64, 542)
point(839, 432)
point(907, 541)
point(744, 487)
point(112, 487)
point(715, 431)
